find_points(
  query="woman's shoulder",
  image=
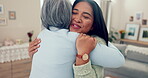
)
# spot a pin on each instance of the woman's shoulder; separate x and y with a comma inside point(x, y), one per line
point(99, 39)
point(62, 33)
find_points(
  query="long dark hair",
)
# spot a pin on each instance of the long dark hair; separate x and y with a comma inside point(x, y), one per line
point(99, 26)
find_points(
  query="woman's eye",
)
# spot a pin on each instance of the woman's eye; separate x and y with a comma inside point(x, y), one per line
point(74, 13)
point(86, 17)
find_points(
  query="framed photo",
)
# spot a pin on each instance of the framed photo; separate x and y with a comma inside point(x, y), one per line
point(144, 21)
point(139, 16)
point(12, 15)
point(132, 31)
point(143, 34)
point(131, 19)
point(2, 21)
point(1, 9)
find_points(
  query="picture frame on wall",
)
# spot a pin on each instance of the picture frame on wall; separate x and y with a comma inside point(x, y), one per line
point(144, 21)
point(139, 16)
point(131, 19)
point(12, 15)
point(2, 21)
point(132, 31)
point(1, 9)
point(143, 36)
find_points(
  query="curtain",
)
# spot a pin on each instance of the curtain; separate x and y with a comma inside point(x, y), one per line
point(106, 9)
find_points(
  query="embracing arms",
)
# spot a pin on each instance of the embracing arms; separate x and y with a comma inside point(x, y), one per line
point(106, 56)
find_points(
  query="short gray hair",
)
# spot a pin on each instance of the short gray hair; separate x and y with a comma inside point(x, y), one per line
point(56, 13)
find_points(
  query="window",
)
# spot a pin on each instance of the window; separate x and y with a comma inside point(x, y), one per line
point(41, 3)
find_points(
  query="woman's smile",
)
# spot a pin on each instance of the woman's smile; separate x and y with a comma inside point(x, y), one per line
point(75, 26)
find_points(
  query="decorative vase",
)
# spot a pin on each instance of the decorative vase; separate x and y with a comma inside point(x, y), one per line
point(122, 35)
point(30, 39)
point(30, 36)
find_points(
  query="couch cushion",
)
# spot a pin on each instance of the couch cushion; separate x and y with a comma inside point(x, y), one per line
point(137, 53)
point(131, 69)
point(137, 56)
point(135, 65)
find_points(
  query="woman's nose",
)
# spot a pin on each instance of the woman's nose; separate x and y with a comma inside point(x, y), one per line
point(78, 19)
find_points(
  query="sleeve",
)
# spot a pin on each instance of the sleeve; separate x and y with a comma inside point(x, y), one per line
point(107, 56)
point(84, 71)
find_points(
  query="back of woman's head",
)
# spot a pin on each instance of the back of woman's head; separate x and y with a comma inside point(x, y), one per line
point(56, 13)
point(99, 26)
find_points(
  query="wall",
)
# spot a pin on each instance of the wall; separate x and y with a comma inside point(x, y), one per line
point(116, 11)
point(27, 19)
point(123, 9)
point(131, 7)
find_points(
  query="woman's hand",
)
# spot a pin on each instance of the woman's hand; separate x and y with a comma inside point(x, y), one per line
point(84, 44)
point(33, 46)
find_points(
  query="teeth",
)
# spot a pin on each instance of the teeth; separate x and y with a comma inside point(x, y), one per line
point(75, 26)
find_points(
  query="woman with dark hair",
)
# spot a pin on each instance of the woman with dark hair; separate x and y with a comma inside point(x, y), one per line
point(49, 62)
point(99, 27)
point(81, 17)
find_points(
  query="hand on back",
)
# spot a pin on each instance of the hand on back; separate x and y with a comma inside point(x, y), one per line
point(33, 46)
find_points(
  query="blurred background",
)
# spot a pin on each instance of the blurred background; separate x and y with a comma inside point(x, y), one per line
point(126, 22)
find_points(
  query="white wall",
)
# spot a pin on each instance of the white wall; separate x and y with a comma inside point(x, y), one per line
point(72, 1)
point(123, 9)
point(27, 19)
point(116, 11)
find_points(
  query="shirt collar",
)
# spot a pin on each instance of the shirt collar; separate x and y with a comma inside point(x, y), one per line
point(53, 28)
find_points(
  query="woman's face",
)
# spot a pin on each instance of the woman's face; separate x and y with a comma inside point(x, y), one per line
point(82, 18)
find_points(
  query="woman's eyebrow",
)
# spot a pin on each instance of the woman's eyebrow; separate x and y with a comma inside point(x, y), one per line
point(76, 9)
point(87, 13)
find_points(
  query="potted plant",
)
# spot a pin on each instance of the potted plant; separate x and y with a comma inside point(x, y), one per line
point(122, 34)
point(113, 35)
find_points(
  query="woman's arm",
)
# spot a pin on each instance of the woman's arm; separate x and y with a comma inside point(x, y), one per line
point(83, 68)
point(88, 71)
point(107, 56)
point(84, 45)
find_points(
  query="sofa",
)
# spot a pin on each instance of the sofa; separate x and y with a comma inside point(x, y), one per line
point(136, 62)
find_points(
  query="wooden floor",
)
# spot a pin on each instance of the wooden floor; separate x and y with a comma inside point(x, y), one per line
point(16, 69)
